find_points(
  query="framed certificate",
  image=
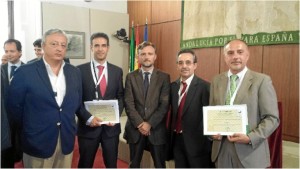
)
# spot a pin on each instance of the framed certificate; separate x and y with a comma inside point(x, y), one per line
point(106, 110)
point(225, 120)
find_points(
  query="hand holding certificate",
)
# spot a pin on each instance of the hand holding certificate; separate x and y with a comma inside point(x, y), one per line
point(106, 110)
point(225, 120)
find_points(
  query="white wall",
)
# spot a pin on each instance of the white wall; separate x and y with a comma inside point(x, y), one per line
point(28, 19)
point(81, 19)
point(119, 6)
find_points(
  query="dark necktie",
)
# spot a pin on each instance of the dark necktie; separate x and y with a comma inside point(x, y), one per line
point(103, 80)
point(232, 88)
point(146, 83)
point(12, 70)
point(180, 108)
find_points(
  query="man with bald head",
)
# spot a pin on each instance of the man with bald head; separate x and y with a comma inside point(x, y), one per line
point(254, 89)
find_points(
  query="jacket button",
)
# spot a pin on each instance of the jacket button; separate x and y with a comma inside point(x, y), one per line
point(58, 123)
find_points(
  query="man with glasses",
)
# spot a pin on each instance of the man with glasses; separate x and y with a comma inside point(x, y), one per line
point(189, 93)
point(43, 98)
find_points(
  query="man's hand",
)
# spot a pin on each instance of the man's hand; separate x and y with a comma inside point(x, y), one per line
point(95, 122)
point(144, 128)
point(239, 138)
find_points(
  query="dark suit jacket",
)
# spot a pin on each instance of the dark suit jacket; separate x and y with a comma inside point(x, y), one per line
point(114, 90)
point(4, 68)
point(196, 143)
point(152, 109)
point(5, 129)
point(258, 93)
point(32, 103)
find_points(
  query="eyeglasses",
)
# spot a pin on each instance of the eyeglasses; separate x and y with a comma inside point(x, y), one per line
point(56, 44)
point(187, 62)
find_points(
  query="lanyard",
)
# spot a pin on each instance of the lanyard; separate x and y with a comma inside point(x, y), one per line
point(95, 78)
point(181, 96)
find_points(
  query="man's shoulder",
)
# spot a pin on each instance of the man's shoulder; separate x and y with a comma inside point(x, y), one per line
point(84, 65)
point(112, 66)
point(220, 76)
point(200, 80)
point(161, 73)
point(257, 76)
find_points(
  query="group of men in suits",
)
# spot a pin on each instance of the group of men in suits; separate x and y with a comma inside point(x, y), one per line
point(146, 104)
point(44, 97)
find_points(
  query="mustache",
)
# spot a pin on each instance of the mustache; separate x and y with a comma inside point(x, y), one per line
point(184, 69)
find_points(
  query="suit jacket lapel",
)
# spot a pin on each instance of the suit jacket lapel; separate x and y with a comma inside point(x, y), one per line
point(42, 72)
point(152, 85)
point(222, 88)
point(246, 84)
point(139, 82)
point(110, 77)
point(190, 94)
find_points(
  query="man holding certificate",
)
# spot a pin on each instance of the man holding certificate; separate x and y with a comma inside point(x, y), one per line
point(237, 87)
point(103, 97)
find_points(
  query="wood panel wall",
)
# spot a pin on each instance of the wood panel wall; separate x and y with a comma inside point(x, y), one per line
point(281, 62)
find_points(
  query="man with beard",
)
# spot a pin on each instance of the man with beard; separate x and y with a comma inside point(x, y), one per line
point(101, 80)
point(146, 104)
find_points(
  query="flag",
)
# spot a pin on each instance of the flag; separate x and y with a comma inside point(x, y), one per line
point(132, 50)
point(146, 31)
point(137, 42)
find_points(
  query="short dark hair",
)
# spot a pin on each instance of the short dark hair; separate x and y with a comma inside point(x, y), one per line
point(99, 35)
point(38, 43)
point(188, 51)
point(145, 44)
point(18, 43)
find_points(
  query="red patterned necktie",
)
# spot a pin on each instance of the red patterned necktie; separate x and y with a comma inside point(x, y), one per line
point(103, 80)
point(180, 108)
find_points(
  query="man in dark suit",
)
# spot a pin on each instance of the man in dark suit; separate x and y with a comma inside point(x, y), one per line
point(5, 128)
point(43, 98)
point(13, 52)
point(101, 81)
point(146, 103)
point(254, 89)
point(188, 96)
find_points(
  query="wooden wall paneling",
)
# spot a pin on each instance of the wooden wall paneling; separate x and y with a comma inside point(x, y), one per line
point(277, 63)
point(138, 12)
point(293, 97)
point(166, 37)
point(208, 62)
point(164, 11)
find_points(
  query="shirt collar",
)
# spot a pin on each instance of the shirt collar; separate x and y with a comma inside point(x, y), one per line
point(241, 74)
point(96, 64)
point(150, 71)
point(188, 80)
point(17, 64)
point(49, 67)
